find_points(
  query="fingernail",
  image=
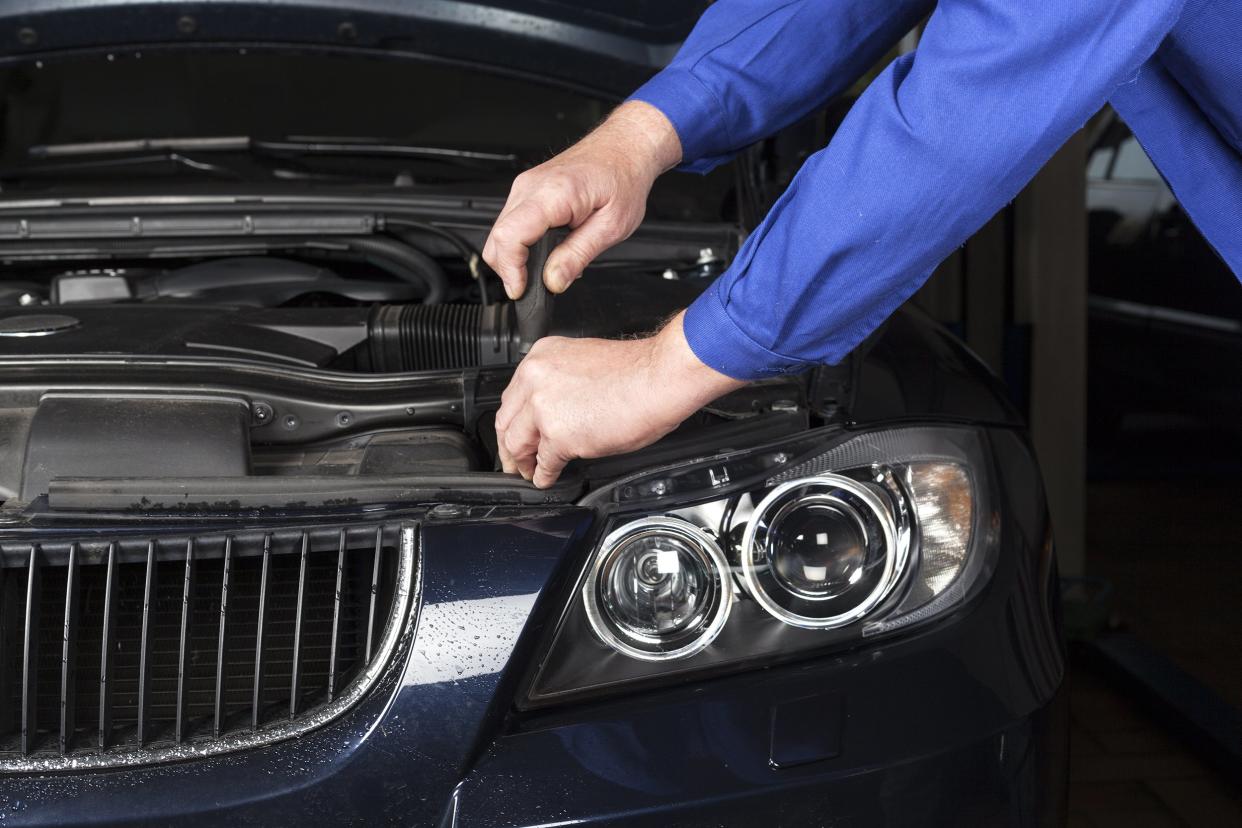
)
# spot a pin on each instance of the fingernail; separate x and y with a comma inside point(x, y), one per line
point(510, 292)
point(555, 279)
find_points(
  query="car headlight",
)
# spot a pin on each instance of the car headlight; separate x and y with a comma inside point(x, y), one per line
point(773, 553)
point(660, 589)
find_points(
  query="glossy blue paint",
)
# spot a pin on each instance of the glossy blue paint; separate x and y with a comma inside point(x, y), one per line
point(394, 758)
point(960, 723)
point(606, 45)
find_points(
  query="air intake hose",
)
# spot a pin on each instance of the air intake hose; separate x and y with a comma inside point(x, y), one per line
point(431, 337)
point(434, 337)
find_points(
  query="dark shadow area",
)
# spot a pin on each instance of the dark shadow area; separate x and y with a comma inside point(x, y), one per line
point(1127, 769)
point(1163, 497)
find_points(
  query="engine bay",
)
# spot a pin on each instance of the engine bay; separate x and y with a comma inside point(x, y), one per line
point(358, 304)
point(142, 366)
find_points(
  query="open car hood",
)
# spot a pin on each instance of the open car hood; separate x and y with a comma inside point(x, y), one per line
point(607, 45)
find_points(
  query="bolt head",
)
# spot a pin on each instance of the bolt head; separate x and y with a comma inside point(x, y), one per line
point(261, 413)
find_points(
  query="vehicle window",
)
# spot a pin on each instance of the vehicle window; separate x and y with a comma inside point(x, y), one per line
point(1097, 165)
point(1133, 164)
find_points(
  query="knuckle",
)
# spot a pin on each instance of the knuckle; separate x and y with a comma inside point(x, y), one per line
point(560, 195)
point(503, 235)
point(577, 254)
point(536, 372)
point(557, 184)
point(523, 180)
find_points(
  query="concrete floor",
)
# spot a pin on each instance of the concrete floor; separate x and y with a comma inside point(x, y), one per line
point(1173, 551)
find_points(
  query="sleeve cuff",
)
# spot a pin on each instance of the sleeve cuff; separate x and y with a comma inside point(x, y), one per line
point(694, 112)
point(720, 344)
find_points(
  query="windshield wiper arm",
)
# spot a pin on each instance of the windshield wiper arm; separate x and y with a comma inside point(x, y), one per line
point(120, 161)
point(311, 145)
point(292, 145)
point(225, 143)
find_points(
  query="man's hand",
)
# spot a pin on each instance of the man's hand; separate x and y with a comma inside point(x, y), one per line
point(574, 398)
point(598, 187)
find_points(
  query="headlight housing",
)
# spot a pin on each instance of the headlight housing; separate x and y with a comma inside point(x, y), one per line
point(774, 553)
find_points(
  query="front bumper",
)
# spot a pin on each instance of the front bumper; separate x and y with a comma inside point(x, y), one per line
point(958, 724)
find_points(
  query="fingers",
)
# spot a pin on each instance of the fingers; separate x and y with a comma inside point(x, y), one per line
point(512, 400)
point(548, 467)
point(506, 459)
point(521, 443)
point(595, 235)
point(506, 248)
point(529, 456)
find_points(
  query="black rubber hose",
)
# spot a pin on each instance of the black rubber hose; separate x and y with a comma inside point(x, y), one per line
point(409, 262)
point(471, 256)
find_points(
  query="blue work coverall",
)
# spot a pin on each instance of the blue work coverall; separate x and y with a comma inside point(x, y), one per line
point(939, 142)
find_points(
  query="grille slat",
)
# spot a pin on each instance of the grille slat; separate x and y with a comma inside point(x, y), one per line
point(7, 605)
point(336, 615)
point(215, 641)
point(222, 641)
point(30, 653)
point(294, 689)
point(68, 653)
point(183, 652)
point(107, 643)
point(256, 708)
point(373, 606)
point(145, 656)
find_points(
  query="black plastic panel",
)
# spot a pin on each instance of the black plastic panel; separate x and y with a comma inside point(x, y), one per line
point(163, 436)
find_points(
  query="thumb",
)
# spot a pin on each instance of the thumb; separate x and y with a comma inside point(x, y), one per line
point(577, 250)
point(548, 467)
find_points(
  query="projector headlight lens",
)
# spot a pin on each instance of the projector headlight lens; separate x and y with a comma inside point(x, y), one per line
point(659, 589)
point(820, 552)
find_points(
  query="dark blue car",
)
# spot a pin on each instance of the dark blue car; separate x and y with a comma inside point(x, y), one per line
point(257, 564)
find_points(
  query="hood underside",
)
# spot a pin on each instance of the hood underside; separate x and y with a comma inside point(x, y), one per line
point(609, 44)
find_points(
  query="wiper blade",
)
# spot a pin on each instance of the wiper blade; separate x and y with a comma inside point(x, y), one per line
point(292, 145)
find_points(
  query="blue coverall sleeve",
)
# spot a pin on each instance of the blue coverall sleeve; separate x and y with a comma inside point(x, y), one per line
point(753, 67)
point(933, 148)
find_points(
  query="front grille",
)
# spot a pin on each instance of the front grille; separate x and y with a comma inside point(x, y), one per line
point(134, 649)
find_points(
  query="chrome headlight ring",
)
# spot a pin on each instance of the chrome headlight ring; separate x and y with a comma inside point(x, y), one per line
point(690, 567)
point(876, 560)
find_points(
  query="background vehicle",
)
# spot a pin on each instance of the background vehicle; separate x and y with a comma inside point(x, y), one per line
point(1165, 310)
point(258, 565)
